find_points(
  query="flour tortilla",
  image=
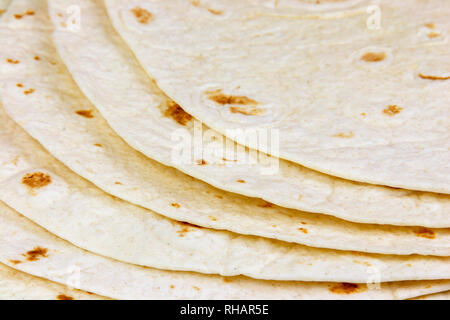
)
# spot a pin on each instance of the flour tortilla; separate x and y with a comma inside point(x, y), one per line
point(347, 99)
point(65, 263)
point(39, 187)
point(128, 175)
point(16, 285)
point(139, 114)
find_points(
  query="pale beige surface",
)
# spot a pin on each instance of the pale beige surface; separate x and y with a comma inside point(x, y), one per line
point(136, 109)
point(16, 285)
point(156, 187)
point(74, 209)
point(304, 67)
point(53, 194)
point(64, 263)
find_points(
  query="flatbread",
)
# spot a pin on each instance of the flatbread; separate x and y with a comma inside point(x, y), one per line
point(35, 184)
point(128, 175)
point(355, 90)
point(149, 121)
point(65, 263)
point(76, 146)
point(16, 285)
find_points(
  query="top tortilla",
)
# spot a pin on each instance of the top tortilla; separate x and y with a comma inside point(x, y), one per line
point(347, 98)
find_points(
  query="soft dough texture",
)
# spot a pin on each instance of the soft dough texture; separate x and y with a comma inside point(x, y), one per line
point(348, 98)
point(127, 174)
point(16, 285)
point(63, 263)
point(41, 188)
point(147, 120)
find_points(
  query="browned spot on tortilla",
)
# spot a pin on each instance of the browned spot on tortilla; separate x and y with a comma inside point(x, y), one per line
point(213, 218)
point(142, 15)
point(15, 160)
point(172, 286)
point(430, 25)
point(344, 135)
point(433, 35)
point(347, 288)
point(12, 61)
point(36, 254)
point(220, 98)
point(175, 205)
point(216, 12)
point(98, 145)
point(29, 91)
point(373, 56)
point(64, 297)
point(15, 261)
point(432, 77)
point(2, 10)
point(19, 85)
point(85, 113)
point(424, 232)
point(303, 230)
point(224, 159)
point(363, 114)
point(177, 113)
point(186, 227)
point(218, 196)
point(303, 222)
point(196, 288)
point(36, 180)
point(27, 13)
point(240, 181)
point(300, 197)
point(266, 205)
point(201, 162)
point(227, 279)
point(117, 182)
point(247, 112)
point(63, 24)
point(392, 110)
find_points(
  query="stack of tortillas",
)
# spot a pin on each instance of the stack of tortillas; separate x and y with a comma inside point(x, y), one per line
point(211, 149)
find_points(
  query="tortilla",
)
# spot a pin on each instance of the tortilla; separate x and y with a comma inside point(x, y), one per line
point(355, 90)
point(141, 185)
point(65, 263)
point(42, 189)
point(16, 285)
point(148, 121)
point(62, 200)
point(128, 175)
